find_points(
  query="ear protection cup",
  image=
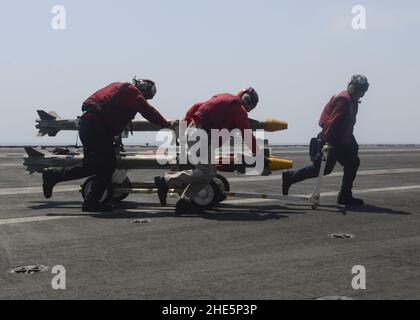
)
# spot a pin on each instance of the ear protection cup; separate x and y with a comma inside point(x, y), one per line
point(147, 87)
point(246, 98)
point(250, 98)
point(360, 82)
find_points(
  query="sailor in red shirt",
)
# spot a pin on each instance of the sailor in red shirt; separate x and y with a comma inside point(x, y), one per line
point(223, 111)
point(337, 122)
point(107, 113)
point(118, 103)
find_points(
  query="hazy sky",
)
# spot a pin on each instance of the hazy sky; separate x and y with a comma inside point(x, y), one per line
point(297, 54)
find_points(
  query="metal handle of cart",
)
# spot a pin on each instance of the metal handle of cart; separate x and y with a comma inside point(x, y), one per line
point(316, 195)
point(173, 193)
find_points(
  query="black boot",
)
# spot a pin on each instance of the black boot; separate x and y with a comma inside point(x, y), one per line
point(49, 180)
point(348, 200)
point(163, 189)
point(95, 206)
point(287, 181)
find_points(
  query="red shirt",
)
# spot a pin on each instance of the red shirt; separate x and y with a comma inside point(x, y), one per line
point(223, 111)
point(338, 119)
point(120, 103)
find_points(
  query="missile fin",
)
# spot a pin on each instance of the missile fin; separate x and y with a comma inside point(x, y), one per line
point(43, 115)
point(34, 152)
point(54, 114)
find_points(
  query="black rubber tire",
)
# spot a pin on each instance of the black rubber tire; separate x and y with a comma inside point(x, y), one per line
point(221, 181)
point(109, 194)
point(216, 195)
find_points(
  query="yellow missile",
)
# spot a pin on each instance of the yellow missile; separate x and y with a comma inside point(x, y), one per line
point(269, 125)
point(274, 125)
point(277, 164)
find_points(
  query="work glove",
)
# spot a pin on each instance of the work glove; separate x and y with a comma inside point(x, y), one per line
point(326, 149)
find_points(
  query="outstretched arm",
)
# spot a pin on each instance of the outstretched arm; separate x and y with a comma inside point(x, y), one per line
point(150, 113)
point(242, 123)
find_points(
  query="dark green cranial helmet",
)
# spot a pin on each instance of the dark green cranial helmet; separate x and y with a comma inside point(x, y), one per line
point(359, 82)
point(147, 87)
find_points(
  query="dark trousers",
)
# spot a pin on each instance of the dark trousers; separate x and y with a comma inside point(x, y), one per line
point(345, 155)
point(99, 158)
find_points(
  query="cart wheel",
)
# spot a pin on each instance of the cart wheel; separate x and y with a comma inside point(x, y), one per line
point(207, 197)
point(109, 194)
point(224, 187)
point(86, 187)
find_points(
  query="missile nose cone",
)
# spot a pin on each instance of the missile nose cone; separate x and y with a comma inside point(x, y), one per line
point(277, 164)
point(274, 125)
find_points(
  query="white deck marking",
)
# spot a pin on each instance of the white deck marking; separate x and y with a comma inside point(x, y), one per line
point(157, 210)
point(362, 156)
point(329, 194)
point(245, 201)
point(9, 221)
point(334, 174)
point(30, 190)
point(33, 219)
point(75, 188)
point(13, 155)
point(12, 165)
point(361, 151)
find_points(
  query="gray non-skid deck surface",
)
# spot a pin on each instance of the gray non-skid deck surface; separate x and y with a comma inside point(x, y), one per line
point(248, 249)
